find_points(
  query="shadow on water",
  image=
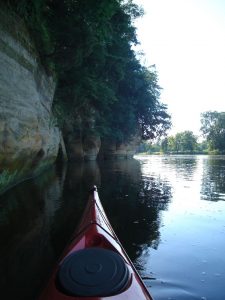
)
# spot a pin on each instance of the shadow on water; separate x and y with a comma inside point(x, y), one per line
point(213, 179)
point(38, 217)
point(26, 213)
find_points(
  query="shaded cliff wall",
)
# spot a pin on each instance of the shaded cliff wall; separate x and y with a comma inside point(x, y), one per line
point(93, 147)
point(28, 136)
point(79, 148)
point(113, 150)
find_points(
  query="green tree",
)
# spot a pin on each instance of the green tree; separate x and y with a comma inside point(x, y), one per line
point(178, 142)
point(172, 146)
point(202, 147)
point(184, 141)
point(187, 141)
point(213, 129)
point(138, 110)
point(164, 145)
point(102, 87)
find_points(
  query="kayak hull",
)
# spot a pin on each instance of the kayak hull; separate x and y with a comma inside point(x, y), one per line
point(95, 234)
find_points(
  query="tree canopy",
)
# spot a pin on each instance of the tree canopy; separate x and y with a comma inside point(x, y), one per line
point(182, 142)
point(102, 87)
point(213, 129)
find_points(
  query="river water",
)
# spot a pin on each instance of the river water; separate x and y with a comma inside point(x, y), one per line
point(168, 212)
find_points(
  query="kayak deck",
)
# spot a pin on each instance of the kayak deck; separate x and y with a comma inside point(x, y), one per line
point(95, 265)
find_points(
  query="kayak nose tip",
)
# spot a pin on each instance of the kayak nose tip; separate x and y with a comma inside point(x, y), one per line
point(93, 189)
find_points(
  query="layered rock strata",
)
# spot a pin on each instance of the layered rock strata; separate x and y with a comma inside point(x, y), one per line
point(28, 135)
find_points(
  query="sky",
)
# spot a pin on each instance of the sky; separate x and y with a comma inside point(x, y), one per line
point(185, 39)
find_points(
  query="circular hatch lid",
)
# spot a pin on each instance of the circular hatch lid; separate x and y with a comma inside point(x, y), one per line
point(93, 272)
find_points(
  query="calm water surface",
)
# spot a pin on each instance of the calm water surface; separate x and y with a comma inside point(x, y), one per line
point(168, 211)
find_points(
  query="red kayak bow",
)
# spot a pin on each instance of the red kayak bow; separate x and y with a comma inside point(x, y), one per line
point(95, 266)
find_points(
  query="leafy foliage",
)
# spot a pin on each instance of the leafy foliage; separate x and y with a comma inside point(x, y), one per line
point(182, 142)
point(101, 85)
point(213, 129)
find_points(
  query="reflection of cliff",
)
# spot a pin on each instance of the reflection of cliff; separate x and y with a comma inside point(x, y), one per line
point(83, 175)
point(26, 253)
point(38, 218)
point(133, 204)
point(213, 179)
point(80, 177)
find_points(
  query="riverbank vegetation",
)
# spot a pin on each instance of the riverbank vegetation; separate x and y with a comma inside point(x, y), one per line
point(182, 143)
point(213, 142)
point(102, 88)
point(213, 130)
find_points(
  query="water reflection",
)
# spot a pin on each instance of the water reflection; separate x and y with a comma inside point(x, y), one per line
point(188, 263)
point(25, 230)
point(38, 217)
point(133, 204)
point(213, 179)
point(184, 165)
point(162, 224)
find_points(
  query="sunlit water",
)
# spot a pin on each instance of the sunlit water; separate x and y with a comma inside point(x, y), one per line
point(189, 261)
point(168, 211)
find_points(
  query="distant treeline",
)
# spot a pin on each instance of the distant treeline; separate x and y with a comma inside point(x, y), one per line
point(213, 133)
point(102, 88)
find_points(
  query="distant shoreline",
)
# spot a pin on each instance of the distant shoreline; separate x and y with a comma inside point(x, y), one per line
point(180, 153)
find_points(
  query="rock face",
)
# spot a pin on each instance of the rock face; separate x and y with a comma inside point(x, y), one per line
point(83, 149)
point(28, 136)
point(82, 146)
point(91, 147)
point(113, 150)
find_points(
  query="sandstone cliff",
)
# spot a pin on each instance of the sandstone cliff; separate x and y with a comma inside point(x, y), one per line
point(113, 150)
point(28, 135)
